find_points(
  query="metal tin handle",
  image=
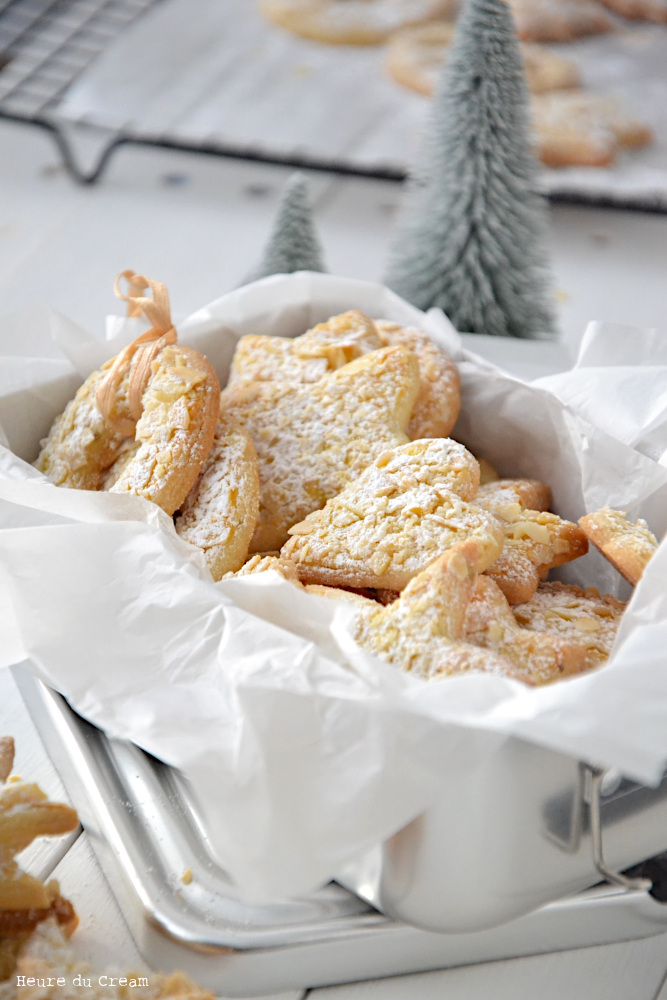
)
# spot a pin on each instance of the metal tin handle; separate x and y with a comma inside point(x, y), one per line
point(594, 778)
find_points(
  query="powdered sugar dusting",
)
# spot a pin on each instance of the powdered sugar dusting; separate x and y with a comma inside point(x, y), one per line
point(262, 564)
point(420, 632)
point(323, 349)
point(505, 493)
point(400, 514)
point(629, 547)
point(535, 541)
point(220, 512)
point(582, 616)
point(439, 400)
point(544, 656)
point(81, 444)
point(311, 440)
point(175, 430)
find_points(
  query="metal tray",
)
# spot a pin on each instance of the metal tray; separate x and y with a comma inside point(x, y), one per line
point(146, 834)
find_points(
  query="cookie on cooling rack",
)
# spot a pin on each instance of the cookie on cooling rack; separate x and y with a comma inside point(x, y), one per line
point(353, 22)
point(559, 20)
point(415, 57)
point(582, 129)
point(640, 10)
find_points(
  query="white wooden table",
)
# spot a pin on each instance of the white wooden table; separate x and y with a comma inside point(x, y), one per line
point(199, 225)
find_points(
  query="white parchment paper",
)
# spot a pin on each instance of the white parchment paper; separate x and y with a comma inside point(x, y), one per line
point(303, 750)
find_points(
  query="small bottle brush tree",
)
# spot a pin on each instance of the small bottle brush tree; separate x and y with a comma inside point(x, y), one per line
point(293, 244)
point(471, 238)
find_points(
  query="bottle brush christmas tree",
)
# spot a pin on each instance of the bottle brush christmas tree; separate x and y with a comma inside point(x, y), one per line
point(293, 244)
point(471, 238)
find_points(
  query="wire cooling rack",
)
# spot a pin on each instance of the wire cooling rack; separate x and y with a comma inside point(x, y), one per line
point(44, 46)
point(48, 48)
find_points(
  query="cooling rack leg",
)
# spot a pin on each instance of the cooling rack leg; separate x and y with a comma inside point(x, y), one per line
point(96, 146)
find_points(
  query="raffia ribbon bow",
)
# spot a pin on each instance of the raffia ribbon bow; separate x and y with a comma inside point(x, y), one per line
point(138, 356)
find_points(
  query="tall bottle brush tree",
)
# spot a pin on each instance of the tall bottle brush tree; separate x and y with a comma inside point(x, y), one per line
point(293, 244)
point(471, 239)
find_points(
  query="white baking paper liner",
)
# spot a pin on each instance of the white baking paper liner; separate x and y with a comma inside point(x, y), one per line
point(303, 750)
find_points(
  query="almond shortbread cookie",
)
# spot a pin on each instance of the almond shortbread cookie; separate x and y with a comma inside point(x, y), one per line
point(286, 568)
point(640, 10)
point(578, 615)
point(487, 472)
point(439, 401)
point(507, 499)
point(175, 430)
point(559, 20)
point(25, 901)
point(128, 451)
point(529, 493)
point(338, 594)
point(415, 57)
point(83, 442)
point(341, 339)
point(582, 129)
point(313, 439)
point(220, 512)
point(535, 541)
point(153, 390)
point(262, 564)
point(490, 623)
point(628, 547)
point(322, 349)
point(6, 757)
point(421, 631)
point(48, 957)
point(406, 508)
point(352, 22)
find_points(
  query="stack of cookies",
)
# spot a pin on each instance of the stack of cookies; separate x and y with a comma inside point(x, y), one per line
point(327, 459)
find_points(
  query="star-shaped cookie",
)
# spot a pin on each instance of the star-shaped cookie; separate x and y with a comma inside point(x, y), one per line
point(320, 350)
point(311, 440)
